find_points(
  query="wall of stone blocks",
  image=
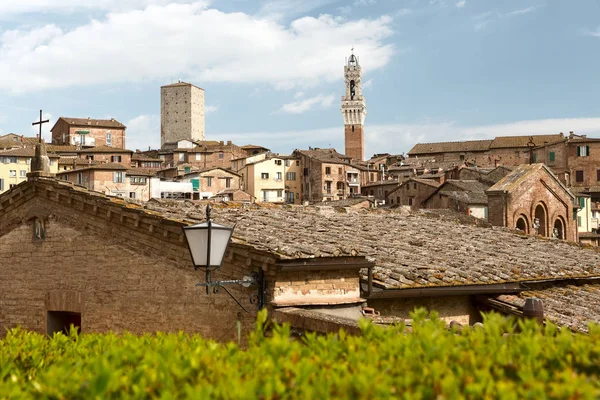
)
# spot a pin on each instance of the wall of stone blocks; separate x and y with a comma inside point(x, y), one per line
point(129, 272)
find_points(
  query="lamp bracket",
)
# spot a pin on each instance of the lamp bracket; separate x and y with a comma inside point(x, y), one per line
point(247, 281)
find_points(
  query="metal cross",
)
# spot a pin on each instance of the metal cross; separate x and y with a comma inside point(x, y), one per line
point(40, 122)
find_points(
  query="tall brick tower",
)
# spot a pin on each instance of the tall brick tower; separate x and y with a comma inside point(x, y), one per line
point(181, 113)
point(354, 110)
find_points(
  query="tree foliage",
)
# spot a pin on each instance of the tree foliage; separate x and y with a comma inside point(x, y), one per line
point(504, 359)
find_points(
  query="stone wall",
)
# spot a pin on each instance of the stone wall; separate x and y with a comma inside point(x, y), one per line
point(123, 269)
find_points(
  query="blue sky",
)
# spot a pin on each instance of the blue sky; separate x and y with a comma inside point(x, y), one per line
point(433, 70)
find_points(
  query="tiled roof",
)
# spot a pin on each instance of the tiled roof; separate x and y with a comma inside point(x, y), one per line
point(429, 182)
point(521, 141)
point(98, 167)
point(13, 140)
point(571, 306)
point(74, 160)
point(143, 157)
point(141, 171)
point(520, 174)
point(103, 123)
point(23, 152)
point(466, 191)
point(60, 148)
point(586, 189)
point(104, 149)
point(252, 146)
point(450, 147)
point(325, 155)
point(428, 248)
point(181, 84)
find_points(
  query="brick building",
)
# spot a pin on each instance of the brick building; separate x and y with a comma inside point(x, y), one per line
point(502, 150)
point(354, 110)
point(530, 194)
point(463, 196)
point(327, 175)
point(212, 182)
point(379, 190)
point(181, 113)
point(412, 192)
point(88, 132)
point(106, 154)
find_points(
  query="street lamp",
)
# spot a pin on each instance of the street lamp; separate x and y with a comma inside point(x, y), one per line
point(208, 242)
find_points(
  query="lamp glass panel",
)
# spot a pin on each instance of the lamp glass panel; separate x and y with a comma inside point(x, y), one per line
point(197, 237)
point(219, 241)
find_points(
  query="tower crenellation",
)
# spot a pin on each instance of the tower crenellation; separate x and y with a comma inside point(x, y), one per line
point(354, 109)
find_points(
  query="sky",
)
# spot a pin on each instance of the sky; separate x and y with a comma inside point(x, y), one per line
point(272, 70)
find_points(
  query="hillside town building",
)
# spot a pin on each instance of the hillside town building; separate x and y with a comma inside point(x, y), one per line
point(88, 132)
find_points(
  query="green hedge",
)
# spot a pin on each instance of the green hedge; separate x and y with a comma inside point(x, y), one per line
point(429, 361)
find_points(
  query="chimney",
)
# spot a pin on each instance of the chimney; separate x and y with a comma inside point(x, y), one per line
point(571, 134)
point(222, 143)
point(228, 142)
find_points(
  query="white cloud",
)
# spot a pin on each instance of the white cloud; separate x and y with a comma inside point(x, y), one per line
point(279, 9)
point(461, 3)
point(522, 11)
point(10, 8)
point(302, 106)
point(368, 84)
point(595, 33)
point(142, 132)
point(190, 41)
point(211, 109)
point(364, 2)
point(299, 95)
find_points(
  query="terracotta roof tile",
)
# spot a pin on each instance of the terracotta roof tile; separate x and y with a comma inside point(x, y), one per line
point(23, 152)
point(521, 141)
point(104, 149)
point(407, 248)
point(572, 306)
point(450, 147)
point(103, 123)
point(466, 191)
point(141, 171)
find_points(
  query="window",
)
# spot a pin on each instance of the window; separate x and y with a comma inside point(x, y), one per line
point(340, 186)
point(291, 176)
point(209, 181)
point(198, 157)
point(328, 187)
point(264, 175)
point(598, 175)
point(181, 156)
point(108, 138)
point(339, 171)
point(415, 185)
point(551, 156)
point(221, 155)
point(578, 176)
point(116, 159)
point(1, 185)
point(12, 185)
point(64, 137)
point(277, 162)
point(280, 193)
point(462, 157)
point(582, 202)
point(278, 176)
point(287, 163)
point(534, 159)
point(327, 170)
point(227, 182)
point(132, 195)
point(517, 154)
point(118, 177)
point(297, 163)
point(28, 160)
point(579, 222)
point(372, 177)
point(22, 173)
point(89, 157)
point(13, 173)
point(138, 180)
point(80, 178)
point(583, 151)
point(410, 201)
point(187, 170)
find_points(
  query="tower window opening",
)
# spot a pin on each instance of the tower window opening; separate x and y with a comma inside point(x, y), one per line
point(352, 128)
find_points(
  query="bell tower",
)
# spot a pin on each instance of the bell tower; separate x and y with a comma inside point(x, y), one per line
point(354, 110)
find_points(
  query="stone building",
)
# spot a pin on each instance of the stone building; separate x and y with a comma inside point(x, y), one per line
point(112, 179)
point(412, 192)
point(202, 154)
point(106, 154)
point(264, 179)
point(181, 113)
point(463, 196)
point(354, 110)
point(327, 175)
point(379, 190)
point(502, 150)
point(211, 182)
point(533, 200)
point(88, 132)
